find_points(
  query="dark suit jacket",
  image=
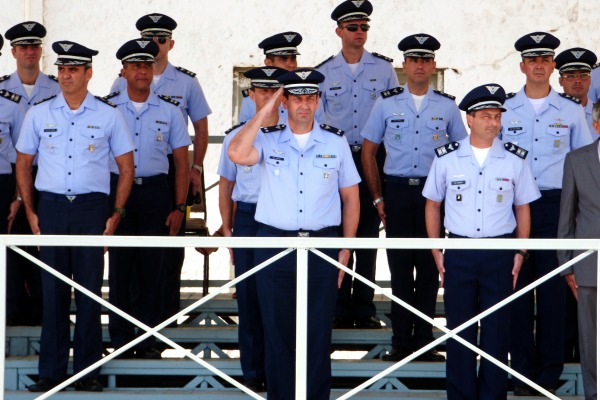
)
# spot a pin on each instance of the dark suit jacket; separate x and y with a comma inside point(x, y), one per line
point(580, 209)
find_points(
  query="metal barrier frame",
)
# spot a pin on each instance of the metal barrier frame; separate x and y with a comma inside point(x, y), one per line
point(302, 245)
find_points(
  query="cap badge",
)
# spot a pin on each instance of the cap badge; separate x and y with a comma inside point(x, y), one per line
point(155, 18)
point(358, 3)
point(268, 71)
point(142, 43)
point(537, 38)
point(289, 38)
point(578, 54)
point(303, 74)
point(29, 27)
point(66, 46)
point(492, 89)
point(421, 39)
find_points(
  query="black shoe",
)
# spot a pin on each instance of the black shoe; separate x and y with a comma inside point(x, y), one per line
point(126, 355)
point(43, 385)
point(524, 390)
point(343, 323)
point(88, 385)
point(256, 385)
point(368, 323)
point(431, 356)
point(396, 354)
point(148, 354)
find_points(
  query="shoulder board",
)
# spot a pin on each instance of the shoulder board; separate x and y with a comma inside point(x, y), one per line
point(246, 92)
point(274, 128)
point(510, 95)
point(235, 127)
point(186, 71)
point(110, 96)
point(323, 62)
point(445, 94)
point(168, 99)
point(107, 102)
point(447, 148)
point(3, 78)
point(43, 100)
point(54, 78)
point(516, 150)
point(332, 129)
point(392, 92)
point(383, 57)
point(10, 96)
point(596, 66)
point(573, 99)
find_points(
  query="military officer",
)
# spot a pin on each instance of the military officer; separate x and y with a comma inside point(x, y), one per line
point(595, 89)
point(308, 187)
point(574, 66)
point(73, 134)
point(548, 125)
point(354, 79)
point(480, 180)
point(181, 85)
point(156, 125)
point(280, 51)
point(411, 121)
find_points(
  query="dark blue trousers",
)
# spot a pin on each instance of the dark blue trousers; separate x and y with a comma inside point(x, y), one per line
point(277, 295)
point(538, 323)
point(135, 275)
point(85, 215)
point(475, 280)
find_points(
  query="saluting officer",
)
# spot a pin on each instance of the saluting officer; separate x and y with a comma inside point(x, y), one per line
point(280, 51)
point(308, 187)
point(411, 121)
point(74, 135)
point(354, 79)
point(480, 180)
point(548, 125)
point(574, 66)
point(156, 126)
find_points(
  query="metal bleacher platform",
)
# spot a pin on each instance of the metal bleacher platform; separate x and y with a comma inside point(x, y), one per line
point(211, 333)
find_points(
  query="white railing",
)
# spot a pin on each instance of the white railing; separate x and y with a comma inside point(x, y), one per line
point(302, 245)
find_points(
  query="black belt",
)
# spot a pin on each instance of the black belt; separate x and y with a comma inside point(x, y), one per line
point(61, 198)
point(246, 207)
point(356, 148)
point(151, 180)
point(455, 236)
point(420, 181)
point(301, 233)
point(551, 193)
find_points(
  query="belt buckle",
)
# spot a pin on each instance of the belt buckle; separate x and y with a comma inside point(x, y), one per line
point(71, 198)
point(356, 148)
point(414, 181)
point(137, 181)
point(303, 234)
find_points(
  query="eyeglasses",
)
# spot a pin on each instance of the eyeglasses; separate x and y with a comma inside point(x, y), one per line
point(354, 27)
point(159, 39)
point(581, 76)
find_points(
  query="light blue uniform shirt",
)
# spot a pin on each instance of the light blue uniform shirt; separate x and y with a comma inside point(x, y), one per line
point(180, 86)
point(479, 200)
point(299, 189)
point(158, 127)
point(74, 148)
point(246, 177)
point(346, 99)
point(559, 128)
point(11, 118)
point(594, 92)
point(588, 116)
point(248, 110)
point(411, 136)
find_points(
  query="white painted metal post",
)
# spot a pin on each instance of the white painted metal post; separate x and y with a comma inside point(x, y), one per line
point(2, 314)
point(301, 321)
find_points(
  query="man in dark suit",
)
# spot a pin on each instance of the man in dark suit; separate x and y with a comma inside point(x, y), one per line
point(580, 218)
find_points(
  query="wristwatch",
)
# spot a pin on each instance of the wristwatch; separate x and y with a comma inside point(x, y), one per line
point(197, 167)
point(120, 211)
point(523, 254)
point(377, 201)
point(181, 207)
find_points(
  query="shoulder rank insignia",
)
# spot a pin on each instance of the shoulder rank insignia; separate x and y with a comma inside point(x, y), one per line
point(3, 78)
point(111, 95)
point(516, 150)
point(107, 102)
point(392, 92)
point(186, 71)
point(43, 100)
point(383, 57)
point(235, 127)
point(447, 148)
point(54, 78)
point(323, 62)
point(510, 95)
point(573, 99)
point(445, 94)
point(168, 100)
point(596, 66)
point(10, 96)
point(274, 128)
point(332, 129)
point(246, 92)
